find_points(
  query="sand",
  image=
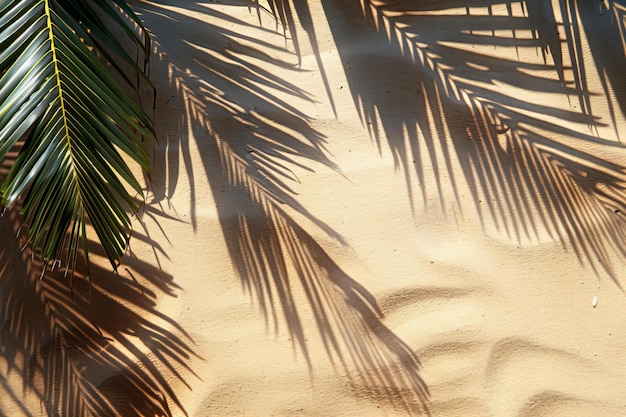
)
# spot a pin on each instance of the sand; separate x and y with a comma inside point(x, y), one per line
point(383, 209)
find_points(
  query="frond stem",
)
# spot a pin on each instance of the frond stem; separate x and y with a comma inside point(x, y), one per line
point(57, 75)
point(55, 61)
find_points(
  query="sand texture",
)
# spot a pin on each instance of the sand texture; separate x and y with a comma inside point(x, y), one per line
point(379, 208)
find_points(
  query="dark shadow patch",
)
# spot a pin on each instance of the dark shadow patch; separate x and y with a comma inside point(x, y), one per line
point(101, 349)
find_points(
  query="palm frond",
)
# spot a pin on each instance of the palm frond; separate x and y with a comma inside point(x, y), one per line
point(77, 123)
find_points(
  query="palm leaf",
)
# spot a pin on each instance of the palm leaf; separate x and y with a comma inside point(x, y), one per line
point(75, 121)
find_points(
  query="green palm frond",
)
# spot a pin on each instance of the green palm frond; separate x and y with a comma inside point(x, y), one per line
point(72, 123)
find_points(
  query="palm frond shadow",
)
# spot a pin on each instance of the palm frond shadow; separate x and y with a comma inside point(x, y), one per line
point(252, 144)
point(93, 350)
point(452, 105)
point(608, 47)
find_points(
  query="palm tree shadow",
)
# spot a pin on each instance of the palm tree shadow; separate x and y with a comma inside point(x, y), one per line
point(100, 349)
point(607, 47)
point(252, 142)
point(452, 105)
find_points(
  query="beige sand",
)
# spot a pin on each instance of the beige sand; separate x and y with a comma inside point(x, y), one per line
point(400, 208)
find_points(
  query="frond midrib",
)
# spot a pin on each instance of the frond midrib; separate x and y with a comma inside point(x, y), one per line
point(78, 206)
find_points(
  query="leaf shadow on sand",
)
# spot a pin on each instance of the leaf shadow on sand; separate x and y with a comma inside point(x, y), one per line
point(454, 104)
point(252, 142)
point(94, 350)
